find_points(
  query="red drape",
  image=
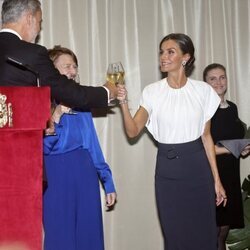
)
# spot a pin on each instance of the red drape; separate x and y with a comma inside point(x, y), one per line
point(21, 166)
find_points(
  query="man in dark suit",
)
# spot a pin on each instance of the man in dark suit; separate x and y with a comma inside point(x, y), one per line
point(21, 23)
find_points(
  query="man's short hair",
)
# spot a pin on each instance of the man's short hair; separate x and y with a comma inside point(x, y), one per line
point(12, 10)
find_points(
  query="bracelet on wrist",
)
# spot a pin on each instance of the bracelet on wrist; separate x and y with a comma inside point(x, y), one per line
point(123, 101)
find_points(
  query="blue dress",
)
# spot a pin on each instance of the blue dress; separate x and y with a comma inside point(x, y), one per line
point(74, 165)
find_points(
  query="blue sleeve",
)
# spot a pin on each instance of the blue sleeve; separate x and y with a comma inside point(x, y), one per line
point(102, 167)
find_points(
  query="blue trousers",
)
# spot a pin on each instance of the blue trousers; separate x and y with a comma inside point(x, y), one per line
point(72, 207)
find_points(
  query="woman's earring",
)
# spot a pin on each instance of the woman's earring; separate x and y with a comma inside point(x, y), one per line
point(183, 63)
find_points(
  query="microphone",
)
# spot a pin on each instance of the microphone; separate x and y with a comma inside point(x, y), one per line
point(26, 67)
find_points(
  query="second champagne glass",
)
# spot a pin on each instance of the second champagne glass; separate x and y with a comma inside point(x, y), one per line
point(115, 75)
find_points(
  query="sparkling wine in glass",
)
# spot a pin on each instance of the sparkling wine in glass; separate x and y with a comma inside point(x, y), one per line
point(115, 73)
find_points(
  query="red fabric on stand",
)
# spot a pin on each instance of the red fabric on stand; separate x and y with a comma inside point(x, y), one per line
point(21, 167)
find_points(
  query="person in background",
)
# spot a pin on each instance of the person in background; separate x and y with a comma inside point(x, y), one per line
point(226, 125)
point(21, 24)
point(177, 112)
point(74, 165)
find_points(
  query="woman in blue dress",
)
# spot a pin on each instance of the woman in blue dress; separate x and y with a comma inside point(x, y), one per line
point(74, 165)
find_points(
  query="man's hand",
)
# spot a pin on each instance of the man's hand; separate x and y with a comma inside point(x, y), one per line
point(112, 90)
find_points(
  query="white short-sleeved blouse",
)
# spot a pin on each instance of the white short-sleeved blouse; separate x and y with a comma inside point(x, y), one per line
point(178, 115)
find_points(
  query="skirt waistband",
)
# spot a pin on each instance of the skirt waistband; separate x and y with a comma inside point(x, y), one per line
point(173, 151)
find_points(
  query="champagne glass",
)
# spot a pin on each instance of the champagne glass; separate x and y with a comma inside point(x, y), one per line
point(115, 75)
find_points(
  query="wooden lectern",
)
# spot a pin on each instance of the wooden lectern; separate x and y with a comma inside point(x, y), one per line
point(24, 112)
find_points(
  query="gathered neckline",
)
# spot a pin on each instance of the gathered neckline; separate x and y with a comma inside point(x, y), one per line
point(177, 88)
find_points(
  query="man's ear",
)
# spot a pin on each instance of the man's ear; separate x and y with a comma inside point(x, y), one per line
point(28, 18)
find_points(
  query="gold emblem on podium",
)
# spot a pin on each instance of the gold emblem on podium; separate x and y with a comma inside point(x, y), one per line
point(5, 112)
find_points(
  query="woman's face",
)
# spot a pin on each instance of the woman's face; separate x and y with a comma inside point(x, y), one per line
point(171, 56)
point(66, 66)
point(218, 80)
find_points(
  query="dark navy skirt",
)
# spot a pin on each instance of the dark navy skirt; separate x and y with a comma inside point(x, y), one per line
point(185, 197)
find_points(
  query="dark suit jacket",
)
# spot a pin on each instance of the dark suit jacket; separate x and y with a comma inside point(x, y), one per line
point(62, 90)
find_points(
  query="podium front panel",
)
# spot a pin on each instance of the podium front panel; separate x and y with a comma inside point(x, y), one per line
point(21, 160)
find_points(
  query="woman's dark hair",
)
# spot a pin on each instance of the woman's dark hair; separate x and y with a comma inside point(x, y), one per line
point(58, 51)
point(187, 47)
point(212, 66)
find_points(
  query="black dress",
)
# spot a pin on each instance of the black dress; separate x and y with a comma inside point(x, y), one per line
point(226, 125)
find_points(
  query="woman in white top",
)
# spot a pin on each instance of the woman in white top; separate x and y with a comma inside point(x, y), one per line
point(177, 112)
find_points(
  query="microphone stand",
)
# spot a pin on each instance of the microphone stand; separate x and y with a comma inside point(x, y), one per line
point(26, 67)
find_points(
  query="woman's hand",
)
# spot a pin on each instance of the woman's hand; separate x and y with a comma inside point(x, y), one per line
point(121, 93)
point(59, 111)
point(246, 151)
point(221, 196)
point(110, 199)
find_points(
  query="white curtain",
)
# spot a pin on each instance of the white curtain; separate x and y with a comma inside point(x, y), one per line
point(104, 31)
